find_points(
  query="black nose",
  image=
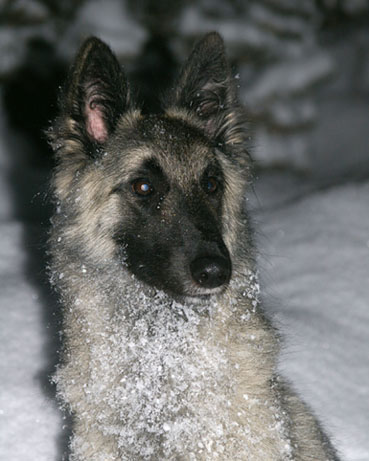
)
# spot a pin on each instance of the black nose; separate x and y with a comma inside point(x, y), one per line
point(211, 271)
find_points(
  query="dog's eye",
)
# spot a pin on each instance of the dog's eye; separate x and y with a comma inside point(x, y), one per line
point(211, 185)
point(142, 187)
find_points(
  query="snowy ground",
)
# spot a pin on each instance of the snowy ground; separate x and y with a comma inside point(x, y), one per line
point(314, 259)
point(315, 270)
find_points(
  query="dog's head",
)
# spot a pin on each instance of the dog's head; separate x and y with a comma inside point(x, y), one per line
point(161, 194)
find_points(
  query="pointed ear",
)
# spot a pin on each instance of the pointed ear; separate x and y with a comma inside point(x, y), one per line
point(206, 89)
point(96, 91)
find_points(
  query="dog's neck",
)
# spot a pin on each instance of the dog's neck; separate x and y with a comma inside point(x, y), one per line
point(170, 369)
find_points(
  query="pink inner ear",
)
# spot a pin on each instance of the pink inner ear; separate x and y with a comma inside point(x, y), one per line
point(95, 124)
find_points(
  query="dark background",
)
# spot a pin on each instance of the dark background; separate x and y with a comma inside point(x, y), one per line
point(303, 67)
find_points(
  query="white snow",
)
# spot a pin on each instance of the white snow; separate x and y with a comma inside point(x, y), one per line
point(290, 78)
point(29, 420)
point(317, 267)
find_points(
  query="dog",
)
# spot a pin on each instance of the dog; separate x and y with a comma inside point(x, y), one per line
point(167, 352)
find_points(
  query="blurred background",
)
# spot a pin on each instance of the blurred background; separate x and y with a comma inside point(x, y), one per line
point(303, 66)
point(303, 73)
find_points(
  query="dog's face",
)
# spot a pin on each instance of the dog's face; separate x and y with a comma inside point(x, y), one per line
point(159, 194)
point(171, 197)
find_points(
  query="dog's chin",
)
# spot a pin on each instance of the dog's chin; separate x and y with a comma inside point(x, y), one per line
point(181, 292)
point(196, 293)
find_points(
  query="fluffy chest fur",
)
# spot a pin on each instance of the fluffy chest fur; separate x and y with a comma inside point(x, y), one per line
point(167, 380)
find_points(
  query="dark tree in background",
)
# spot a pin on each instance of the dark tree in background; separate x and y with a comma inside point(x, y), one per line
point(280, 62)
point(284, 52)
point(30, 69)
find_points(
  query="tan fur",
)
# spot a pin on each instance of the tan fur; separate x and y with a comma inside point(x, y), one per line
point(264, 420)
point(236, 327)
point(145, 375)
point(279, 428)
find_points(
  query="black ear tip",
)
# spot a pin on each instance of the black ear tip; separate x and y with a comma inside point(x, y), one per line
point(214, 37)
point(210, 47)
point(212, 40)
point(90, 49)
point(92, 40)
point(92, 44)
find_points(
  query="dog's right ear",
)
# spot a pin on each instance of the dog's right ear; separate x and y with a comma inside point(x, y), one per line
point(95, 96)
point(97, 92)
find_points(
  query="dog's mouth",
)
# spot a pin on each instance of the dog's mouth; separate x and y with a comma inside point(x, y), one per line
point(197, 298)
point(194, 292)
point(203, 278)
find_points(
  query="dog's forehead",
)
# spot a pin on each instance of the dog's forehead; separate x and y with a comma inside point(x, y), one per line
point(173, 137)
point(179, 147)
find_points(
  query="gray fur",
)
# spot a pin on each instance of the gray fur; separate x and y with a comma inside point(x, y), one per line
point(148, 375)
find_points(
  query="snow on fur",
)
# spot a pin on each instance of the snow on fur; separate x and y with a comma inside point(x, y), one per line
point(162, 377)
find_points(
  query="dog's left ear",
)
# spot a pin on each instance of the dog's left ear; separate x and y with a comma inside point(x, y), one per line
point(96, 92)
point(206, 89)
